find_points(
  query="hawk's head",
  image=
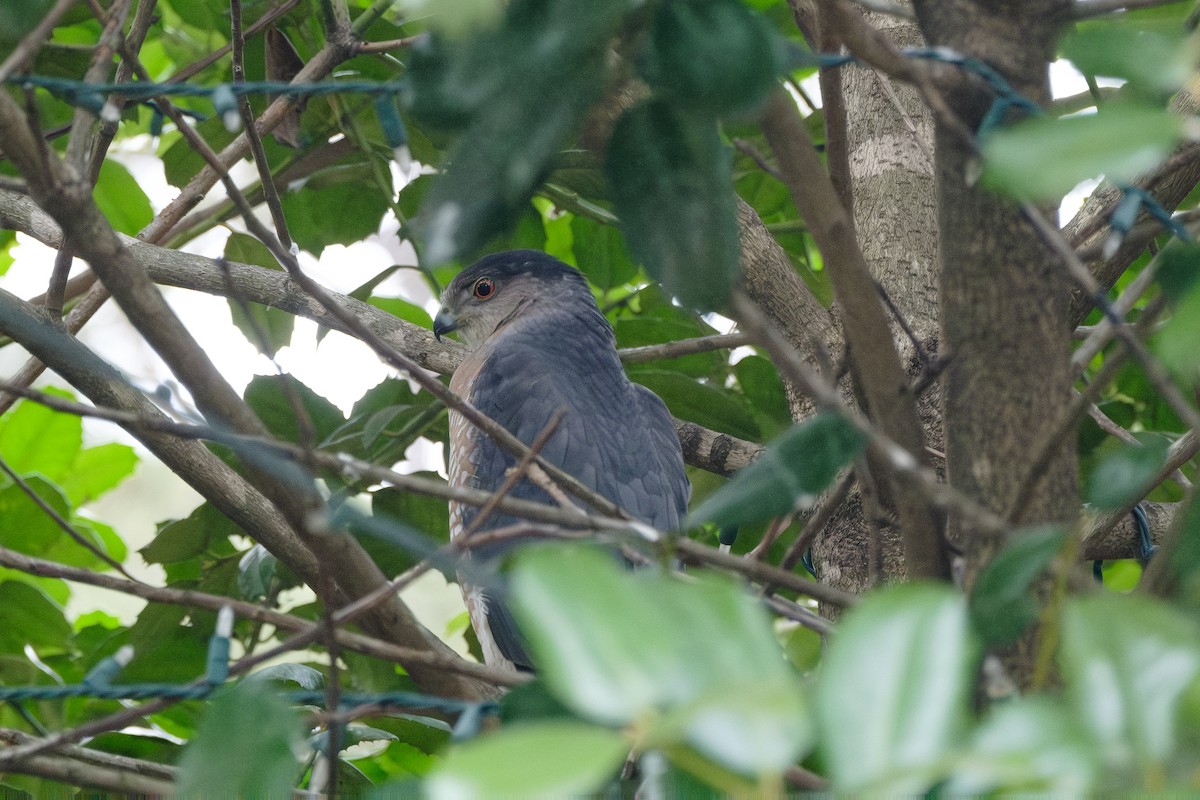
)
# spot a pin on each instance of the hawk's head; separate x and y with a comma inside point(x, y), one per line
point(501, 287)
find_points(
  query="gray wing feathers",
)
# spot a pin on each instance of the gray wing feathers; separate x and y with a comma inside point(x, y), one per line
point(615, 436)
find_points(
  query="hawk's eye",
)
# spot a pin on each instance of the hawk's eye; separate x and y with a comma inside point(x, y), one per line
point(484, 288)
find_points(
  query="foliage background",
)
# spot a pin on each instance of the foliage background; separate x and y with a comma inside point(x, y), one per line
point(542, 127)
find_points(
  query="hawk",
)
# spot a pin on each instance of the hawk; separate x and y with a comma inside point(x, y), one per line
point(538, 343)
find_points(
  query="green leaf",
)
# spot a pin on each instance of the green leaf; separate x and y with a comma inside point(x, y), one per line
point(714, 56)
point(426, 514)
point(647, 330)
point(539, 759)
point(1001, 606)
point(601, 254)
point(1125, 475)
point(1044, 158)
point(243, 747)
point(791, 472)
point(1178, 270)
point(181, 162)
point(96, 470)
point(1127, 661)
point(19, 17)
point(255, 571)
point(895, 688)
point(26, 527)
point(1031, 746)
point(182, 539)
point(759, 381)
point(267, 329)
point(703, 403)
point(334, 213)
point(1149, 59)
point(29, 617)
point(121, 199)
point(167, 650)
point(614, 646)
point(409, 312)
point(35, 438)
point(1175, 344)
point(494, 85)
point(672, 185)
point(271, 398)
point(349, 736)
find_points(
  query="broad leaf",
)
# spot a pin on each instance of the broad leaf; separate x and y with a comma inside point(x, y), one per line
point(894, 690)
point(35, 438)
point(1127, 662)
point(540, 759)
point(616, 646)
point(672, 185)
point(790, 473)
point(494, 86)
point(271, 398)
point(182, 539)
point(1175, 344)
point(1125, 475)
point(1149, 59)
point(703, 403)
point(96, 470)
point(243, 747)
point(1030, 746)
point(1044, 158)
point(714, 56)
point(29, 617)
point(302, 675)
point(121, 199)
point(255, 571)
point(267, 329)
point(1001, 605)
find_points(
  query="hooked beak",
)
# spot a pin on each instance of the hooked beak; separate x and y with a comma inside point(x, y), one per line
point(444, 322)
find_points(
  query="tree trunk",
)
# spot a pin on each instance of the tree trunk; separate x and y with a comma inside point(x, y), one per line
point(1005, 298)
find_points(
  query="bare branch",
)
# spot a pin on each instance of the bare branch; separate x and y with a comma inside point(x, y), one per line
point(683, 347)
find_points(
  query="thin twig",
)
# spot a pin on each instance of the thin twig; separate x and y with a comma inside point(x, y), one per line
point(259, 155)
point(1154, 371)
point(388, 45)
point(683, 347)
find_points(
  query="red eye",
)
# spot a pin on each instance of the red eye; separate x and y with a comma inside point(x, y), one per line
point(484, 288)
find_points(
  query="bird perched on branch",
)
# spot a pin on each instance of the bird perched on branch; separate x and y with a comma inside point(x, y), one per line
point(539, 344)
